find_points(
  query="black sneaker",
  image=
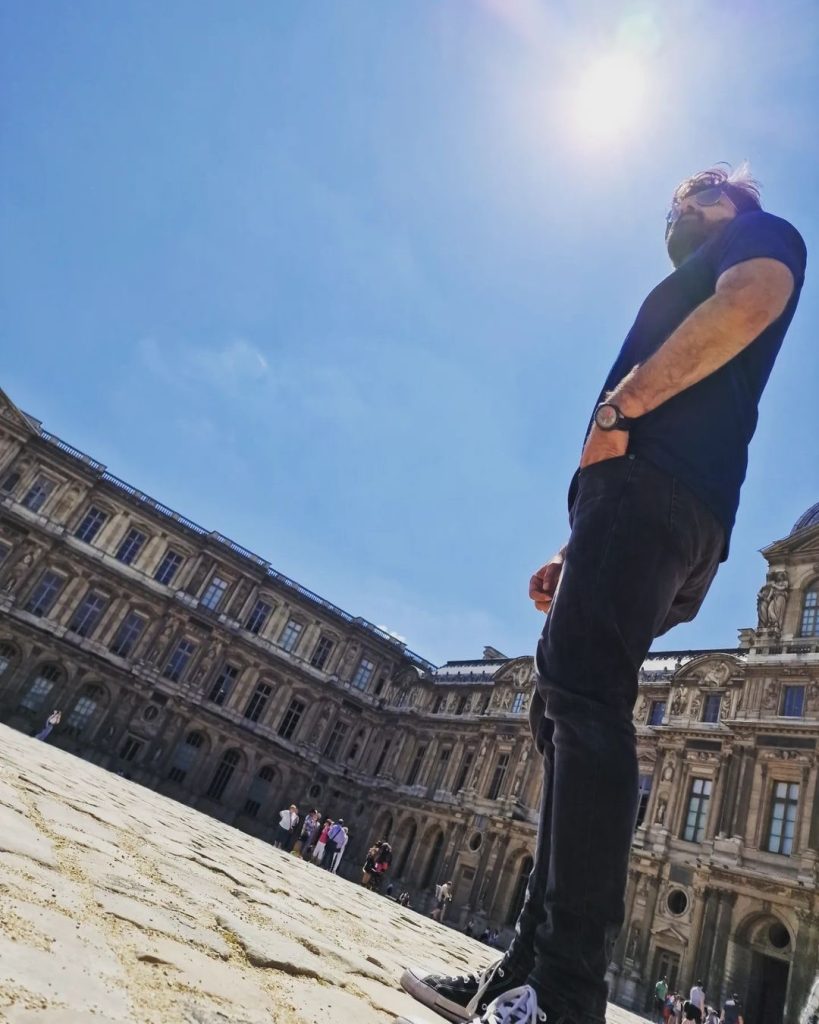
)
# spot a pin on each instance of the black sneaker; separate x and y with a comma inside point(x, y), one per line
point(464, 996)
point(514, 1006)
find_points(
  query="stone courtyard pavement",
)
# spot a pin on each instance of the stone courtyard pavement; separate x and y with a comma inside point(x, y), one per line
point(118, 905)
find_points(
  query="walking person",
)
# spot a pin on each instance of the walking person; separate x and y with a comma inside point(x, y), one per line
point(341, 845)
point(53, 719)
point(288, 822)
point(309, 825)
point(732, 1011)
point(651, 510)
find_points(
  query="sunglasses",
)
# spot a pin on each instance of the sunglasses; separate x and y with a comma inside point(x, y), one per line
point(705, 197)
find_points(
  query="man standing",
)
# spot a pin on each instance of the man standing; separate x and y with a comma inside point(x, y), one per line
point(288, 821)
point(732, 1011)
point(335, 838)
point(660, 993)
point(697, 998)
point(651, 510)
point(53, 719)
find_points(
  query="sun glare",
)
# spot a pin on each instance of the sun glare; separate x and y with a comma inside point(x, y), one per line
point(609, 99)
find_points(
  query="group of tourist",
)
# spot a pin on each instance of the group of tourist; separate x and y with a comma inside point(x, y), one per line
point(320, 842)
point(673, 1008)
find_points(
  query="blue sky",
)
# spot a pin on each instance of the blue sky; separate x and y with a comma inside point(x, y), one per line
point(342, 280)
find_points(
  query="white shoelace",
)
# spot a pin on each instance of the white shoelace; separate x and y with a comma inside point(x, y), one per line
point(517, 1006)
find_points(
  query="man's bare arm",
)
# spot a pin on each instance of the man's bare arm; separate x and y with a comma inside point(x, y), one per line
point(749, 296)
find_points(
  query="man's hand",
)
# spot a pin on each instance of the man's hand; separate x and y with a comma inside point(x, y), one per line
point(603, 444)
point(543, 584)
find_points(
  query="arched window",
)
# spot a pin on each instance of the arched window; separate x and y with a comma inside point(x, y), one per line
point(7, 654)
point(433, 862)
point(259, 790)
point(810, 611)
point(406, 844)
point(520, 890)
point(223, 774)
point(85, 707)
point(41, 688)
point(185, 756)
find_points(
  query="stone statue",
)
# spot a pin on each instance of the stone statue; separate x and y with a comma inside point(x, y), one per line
point(717, 675)
point(206, 664)
point(641, 710)
point(633, 947)
point(21, 568)
point(696, 706)
point(678, 704)
point(659, 817)
point(162, 641)
point(771, 601)
point(771, 696)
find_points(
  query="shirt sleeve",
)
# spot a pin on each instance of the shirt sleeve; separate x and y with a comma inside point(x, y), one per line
point(759, 235)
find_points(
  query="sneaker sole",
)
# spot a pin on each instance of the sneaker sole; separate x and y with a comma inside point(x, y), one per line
point(412, 985)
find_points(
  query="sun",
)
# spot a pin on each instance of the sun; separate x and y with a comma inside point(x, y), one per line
point(609, 99)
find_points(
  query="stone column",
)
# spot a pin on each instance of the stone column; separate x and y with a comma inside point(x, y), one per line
point(727, 813)
point(803, 964)
point(724, 779)
point(744, 786)
point(719, 944)
point(704, 937)
point(618, 955)
point(689, 965)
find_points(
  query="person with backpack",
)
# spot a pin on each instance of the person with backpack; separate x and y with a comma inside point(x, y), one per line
point(335, 838)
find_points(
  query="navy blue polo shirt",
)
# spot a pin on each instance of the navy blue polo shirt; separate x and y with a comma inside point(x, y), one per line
point(701, 435)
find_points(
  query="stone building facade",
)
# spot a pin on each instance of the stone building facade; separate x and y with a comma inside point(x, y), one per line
point(188, 663)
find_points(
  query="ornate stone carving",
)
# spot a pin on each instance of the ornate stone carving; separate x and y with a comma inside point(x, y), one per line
point(771, 601)
point(770, 698)
point(659, 817)
point(678, 704)
point(668, 768)
point(716, 675)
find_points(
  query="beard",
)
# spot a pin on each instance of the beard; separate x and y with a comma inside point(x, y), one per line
point(687, 235)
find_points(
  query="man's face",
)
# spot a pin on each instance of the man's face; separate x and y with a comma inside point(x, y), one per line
point(694, 220)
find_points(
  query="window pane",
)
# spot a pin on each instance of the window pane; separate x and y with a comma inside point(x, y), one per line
point(258, 616)
point(214, 593)
point(290, 635)
point(130, 546)
point(38, 493)
point(91, 525)
point(45, 593)
point(88, 613)
point(167, 568)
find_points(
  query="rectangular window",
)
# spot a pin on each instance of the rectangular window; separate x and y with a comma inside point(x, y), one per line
point(793, 701)
point(258, 702)
point(711, 706)
point(290, 635)
point(333, 745)
point(440, 769)
point(38, 493)
point(363, 674)
point(130, 546)
point(128, 634)
point(324, 648)
point(10, 481)
point(498, 777)
point(45, 593)
point(461, 706)
point(382, 757)
point(214, 593)
point(517, 703)
point(782, 824)
point(810, 613)
point(179, 660)
point(656, 713)
point(93, 521)
point(223, 684)
point(168, 567)
point(89, 611)
point(438, 704)
point(417, 761)
point(644, 792)
point(259, 614)
point(130, 748)
point(464, 771)
point(292, 717)
point(699, 797)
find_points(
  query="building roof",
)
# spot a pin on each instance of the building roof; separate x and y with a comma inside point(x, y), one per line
point(808, 518)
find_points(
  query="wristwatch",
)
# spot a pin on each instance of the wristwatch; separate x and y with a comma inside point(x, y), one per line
point(607, 416)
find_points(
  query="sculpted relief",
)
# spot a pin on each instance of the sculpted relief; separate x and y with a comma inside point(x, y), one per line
point(771, 601)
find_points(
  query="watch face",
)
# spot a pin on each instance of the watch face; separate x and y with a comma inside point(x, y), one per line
point(606, 417)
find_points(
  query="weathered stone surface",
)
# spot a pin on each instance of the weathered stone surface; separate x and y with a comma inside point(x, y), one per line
point(122, 907)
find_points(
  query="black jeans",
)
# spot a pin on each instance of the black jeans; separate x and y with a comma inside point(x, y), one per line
point(642, 553)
